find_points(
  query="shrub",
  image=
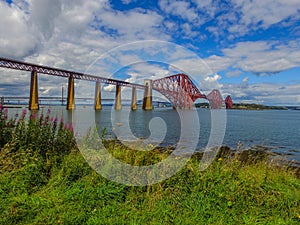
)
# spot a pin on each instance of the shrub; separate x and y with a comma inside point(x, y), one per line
point(46, 138)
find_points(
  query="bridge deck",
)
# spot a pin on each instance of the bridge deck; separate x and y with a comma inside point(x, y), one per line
point(18, 65)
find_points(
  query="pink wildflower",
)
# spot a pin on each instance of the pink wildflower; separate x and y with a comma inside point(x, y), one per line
point(33, 116)
point(5, 114)
point(24, 112)
point(62, 120)
point(71, 127)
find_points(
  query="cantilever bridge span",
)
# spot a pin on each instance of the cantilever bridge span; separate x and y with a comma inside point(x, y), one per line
point(178, 89)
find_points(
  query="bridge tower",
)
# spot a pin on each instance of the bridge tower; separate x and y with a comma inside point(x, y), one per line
point(71, 94)
point(147, 101)
point(34, 96)
point(98, 104)
point(228, 102)
point(133, 99)
point(118, 103)
point(215, 99)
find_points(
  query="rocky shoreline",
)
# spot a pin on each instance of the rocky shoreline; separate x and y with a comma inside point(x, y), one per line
point(245, 156)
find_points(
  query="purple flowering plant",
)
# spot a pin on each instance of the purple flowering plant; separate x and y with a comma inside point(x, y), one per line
point(38, 132)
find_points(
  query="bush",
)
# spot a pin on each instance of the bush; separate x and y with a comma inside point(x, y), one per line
point(44, 137)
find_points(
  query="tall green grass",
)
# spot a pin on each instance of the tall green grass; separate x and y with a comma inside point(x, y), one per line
point(45, 180)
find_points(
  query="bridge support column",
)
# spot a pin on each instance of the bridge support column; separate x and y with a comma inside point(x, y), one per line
point(34, 97)
point(98, 104)
point(71, 94)
point(133, 99)
point(2, 101)
point(147, 101)
point(118, 104)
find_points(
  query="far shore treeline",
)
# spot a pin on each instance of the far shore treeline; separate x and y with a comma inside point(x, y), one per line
point(245, 106)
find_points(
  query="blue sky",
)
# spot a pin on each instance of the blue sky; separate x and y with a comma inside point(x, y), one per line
point(248, 49)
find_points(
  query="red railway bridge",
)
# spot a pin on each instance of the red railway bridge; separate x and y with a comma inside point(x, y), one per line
point(179, 89)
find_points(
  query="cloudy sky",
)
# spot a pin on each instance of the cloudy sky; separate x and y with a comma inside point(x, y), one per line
point(249, 49)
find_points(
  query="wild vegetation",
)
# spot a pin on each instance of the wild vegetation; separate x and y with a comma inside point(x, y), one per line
point(44, 179)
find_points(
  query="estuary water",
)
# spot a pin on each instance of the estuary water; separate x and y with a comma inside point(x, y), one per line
point(278, 130)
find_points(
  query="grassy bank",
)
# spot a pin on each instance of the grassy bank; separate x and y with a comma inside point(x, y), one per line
point(45, 180)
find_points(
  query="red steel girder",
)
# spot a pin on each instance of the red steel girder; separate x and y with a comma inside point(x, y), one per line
point(182, 92)
point(215, 99)
point(179, 89)
point(19, 65)
point(228, 102)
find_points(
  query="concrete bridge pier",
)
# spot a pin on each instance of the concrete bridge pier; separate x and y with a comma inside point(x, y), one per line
point(98, 105)
point(133, 99)
point(71, 94)
point(34, 98)
point(118, 103)
point(147, 101)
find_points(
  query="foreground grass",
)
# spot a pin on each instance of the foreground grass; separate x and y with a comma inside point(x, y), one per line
point(45, 180)
point(228, 192)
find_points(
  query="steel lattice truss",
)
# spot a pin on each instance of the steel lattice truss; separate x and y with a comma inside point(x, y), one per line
point(18, 65)
point(215, 99)
point(228, 102)
point(179, 89)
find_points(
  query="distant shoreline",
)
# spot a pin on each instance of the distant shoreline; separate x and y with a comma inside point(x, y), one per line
point(237, 106)
point(245, 106)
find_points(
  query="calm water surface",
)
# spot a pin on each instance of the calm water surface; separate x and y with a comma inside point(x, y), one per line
point(277, 129)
